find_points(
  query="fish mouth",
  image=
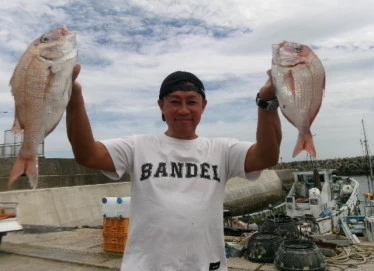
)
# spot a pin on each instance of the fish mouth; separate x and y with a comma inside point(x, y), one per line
point(287, 62)
point(275, 46)
point(284, 60)
point(65, 31)
point(275, 59)
point(69, 35)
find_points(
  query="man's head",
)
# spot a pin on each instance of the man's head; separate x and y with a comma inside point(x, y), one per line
point(178, 81)
point(182, 102)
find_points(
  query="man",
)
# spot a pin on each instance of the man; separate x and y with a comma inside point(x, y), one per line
point(178, 178)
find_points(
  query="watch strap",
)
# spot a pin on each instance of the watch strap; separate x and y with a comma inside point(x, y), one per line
point(269, 105)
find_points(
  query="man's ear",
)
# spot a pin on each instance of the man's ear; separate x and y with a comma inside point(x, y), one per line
point(160, 103)
point(205, 102)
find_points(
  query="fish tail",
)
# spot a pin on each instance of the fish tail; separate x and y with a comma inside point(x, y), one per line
point(28, 166)
point(305, 142)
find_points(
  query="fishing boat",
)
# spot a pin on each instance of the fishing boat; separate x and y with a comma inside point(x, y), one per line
point(361, 228)
point(358, 228)
point(318, 199)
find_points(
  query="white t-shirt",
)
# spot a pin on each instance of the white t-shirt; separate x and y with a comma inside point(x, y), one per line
point(177, 194)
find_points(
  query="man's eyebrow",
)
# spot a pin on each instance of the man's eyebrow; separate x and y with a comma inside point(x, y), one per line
point(170, 96)
point(194, 96)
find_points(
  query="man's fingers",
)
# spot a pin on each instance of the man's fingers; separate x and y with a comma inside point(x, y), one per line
point(269, 72)
point(267, 91)
point(76, 71)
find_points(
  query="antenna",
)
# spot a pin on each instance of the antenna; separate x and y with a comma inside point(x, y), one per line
point(310, 159)
point(367, 153)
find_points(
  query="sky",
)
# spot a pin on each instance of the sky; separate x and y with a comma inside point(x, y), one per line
point(126, 48)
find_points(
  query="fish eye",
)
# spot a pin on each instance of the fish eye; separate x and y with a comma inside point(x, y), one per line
point(44, 39)
point(297, 49)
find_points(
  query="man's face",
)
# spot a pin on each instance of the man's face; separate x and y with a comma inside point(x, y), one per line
point(182, 111)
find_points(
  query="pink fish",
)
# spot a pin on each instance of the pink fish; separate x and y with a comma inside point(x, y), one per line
point(41, 86)
point(299, 81)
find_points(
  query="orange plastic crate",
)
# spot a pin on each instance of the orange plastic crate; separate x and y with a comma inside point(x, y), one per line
point(113, 225)
point(114, 242)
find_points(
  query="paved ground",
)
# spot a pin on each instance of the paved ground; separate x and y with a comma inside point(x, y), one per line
point(84, 247)
point(13, 262)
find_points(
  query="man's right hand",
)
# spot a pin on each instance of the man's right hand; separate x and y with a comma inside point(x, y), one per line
point(76, 71)
point(76, 86)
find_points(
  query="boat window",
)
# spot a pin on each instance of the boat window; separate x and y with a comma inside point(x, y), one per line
point(300, 178)
point(322, 177)
point(289, 199)
point(305, 178)
point(309, 177)
point(313, 202)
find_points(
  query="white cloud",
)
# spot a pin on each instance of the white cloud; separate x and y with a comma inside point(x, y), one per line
point(127, 47)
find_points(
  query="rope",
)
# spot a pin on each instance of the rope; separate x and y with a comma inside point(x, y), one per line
point(351, 256)
point(258, 268)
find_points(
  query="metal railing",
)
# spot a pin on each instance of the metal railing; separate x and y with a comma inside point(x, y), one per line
point(12, 145)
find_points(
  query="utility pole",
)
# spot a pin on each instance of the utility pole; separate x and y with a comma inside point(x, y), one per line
point(2, 146)
point(367, 153)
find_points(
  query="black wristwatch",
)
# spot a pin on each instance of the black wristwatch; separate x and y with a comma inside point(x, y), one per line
point(270, 105)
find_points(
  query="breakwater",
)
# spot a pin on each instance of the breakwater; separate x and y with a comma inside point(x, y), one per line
point(350, 166)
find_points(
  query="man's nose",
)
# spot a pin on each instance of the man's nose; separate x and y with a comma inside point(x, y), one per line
point(184, 108)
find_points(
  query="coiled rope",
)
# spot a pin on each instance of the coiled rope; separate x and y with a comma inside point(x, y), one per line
point(351, 256)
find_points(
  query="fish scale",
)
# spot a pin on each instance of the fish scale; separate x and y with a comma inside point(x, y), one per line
point(299, 81)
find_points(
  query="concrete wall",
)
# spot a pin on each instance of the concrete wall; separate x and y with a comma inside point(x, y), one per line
point(64, 206)
point(54, 172)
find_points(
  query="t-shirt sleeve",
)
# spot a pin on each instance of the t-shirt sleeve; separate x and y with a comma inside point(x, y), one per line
point(237, 151)
point(121, 151)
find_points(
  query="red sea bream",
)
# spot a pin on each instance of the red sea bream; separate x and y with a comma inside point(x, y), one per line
point(299, 81)
point(41, 85)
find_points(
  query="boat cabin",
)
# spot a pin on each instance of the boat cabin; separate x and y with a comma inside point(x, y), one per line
point(311, 193)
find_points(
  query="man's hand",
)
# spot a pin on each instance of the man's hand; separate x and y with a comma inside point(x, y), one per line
point(76, 86)
point(76, 71)
point(267, 91)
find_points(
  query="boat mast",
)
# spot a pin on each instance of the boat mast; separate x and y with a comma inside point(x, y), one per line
point(368, 157)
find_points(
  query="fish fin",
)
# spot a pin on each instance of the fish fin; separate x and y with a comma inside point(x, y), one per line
point(52, 129)
point(50, 78)
point(25, 165)
point(305, 143)
point(17, 128)
point(289, 81)
point(13, 78)
point(314, 115)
